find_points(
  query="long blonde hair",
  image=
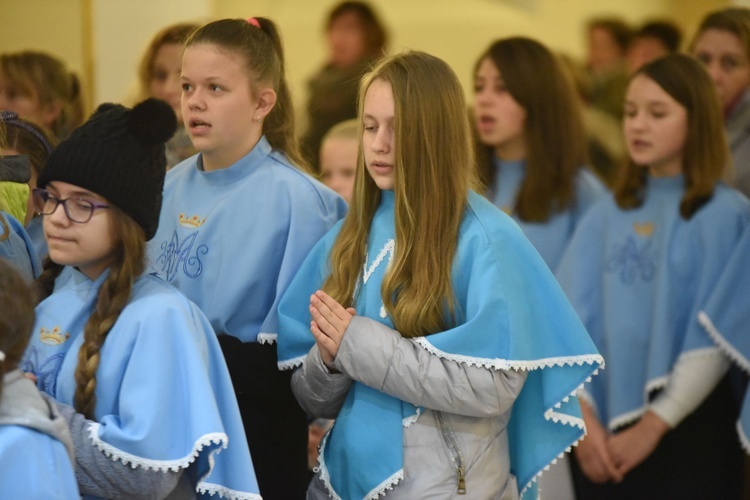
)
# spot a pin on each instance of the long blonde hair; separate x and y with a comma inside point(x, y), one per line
point(434, 170)
point(114, 294)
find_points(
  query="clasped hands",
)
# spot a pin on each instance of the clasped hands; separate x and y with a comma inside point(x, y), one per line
point(329, 323)
point(605, 457)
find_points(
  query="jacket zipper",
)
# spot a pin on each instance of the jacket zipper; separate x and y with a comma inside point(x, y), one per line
point(455, 453)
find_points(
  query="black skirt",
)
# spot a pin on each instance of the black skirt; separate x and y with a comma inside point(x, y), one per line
point(699, 459)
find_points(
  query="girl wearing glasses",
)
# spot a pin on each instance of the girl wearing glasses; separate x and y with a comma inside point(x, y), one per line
point(110, 343)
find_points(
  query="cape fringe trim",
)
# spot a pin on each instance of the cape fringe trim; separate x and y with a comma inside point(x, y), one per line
point(550, 414)
point(381, 490)
point(626, 418)
point(291, 363)
point(387, 485)
point(324, 470)
point(554, 461)
point(654, 385)
point(223, 492)
point(744, 442)
point(216, 438)
point(510, 364)
point(267, 338)
point(409, 421)
point(727, 348)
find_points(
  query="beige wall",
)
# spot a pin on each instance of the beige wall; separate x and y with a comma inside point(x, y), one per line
point(454, 30)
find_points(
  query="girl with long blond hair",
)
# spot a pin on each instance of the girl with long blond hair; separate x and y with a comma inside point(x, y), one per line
point(436, 333)
point(133, 366)
point(638, 269)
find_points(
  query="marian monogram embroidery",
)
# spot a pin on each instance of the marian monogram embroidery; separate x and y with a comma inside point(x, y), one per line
point(46, 373)
point(633, 260)
point(178, 255)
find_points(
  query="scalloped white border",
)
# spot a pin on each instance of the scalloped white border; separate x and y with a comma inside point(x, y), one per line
point(713, 332)
point(506, 364)
point(213, 489)
point(653, 385)
point(216, 438)
point(489, 363)
point(267, 338)
point(549, 414)
point(292, 363)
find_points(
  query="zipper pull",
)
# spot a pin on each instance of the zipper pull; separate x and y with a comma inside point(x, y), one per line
point(461, 480)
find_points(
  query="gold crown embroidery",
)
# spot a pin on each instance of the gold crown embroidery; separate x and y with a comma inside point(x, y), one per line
point(54, 336)
point(645, 229)
point(193, 221)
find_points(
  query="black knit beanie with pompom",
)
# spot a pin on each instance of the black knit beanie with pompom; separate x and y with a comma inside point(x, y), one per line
point(119, 155)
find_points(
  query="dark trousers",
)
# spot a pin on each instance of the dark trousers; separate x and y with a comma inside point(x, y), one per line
point(699, 459)
point(275, 425)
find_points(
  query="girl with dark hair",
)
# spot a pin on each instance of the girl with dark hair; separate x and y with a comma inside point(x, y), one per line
point(638, 269)
point(533, 145)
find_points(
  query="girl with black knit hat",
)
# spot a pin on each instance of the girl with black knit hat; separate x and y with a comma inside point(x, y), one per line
point(132, 364)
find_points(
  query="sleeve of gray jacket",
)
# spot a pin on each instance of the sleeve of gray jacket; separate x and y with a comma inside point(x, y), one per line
point(318, 391)
point(381, 358)
point(100, 476)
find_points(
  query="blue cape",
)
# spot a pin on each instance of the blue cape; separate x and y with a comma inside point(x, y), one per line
point(164, 399)
point(232, 239)
point(551, 237)
point(638, 279)
point(727, 321)
point(18, 248)
point(511, 315)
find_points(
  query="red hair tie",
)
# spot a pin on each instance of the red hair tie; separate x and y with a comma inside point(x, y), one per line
point(254, 22)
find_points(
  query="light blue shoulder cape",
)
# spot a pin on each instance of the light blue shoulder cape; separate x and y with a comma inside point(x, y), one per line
point(726, 318)
point(232, 239)
point(164, 399)
point(18, 248)
point(511, 315)
point(638, 279)
point(550, 238)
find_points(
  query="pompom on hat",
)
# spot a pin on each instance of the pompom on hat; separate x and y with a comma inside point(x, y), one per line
point(119, 154)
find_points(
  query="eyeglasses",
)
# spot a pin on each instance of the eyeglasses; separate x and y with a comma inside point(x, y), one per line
point(77, 209)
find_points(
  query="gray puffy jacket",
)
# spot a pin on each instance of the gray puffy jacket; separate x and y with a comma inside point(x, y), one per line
point(467, 409)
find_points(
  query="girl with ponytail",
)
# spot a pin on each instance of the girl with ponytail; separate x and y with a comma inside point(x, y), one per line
point(131, 363)
point(238, 219)
point(440, 341)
